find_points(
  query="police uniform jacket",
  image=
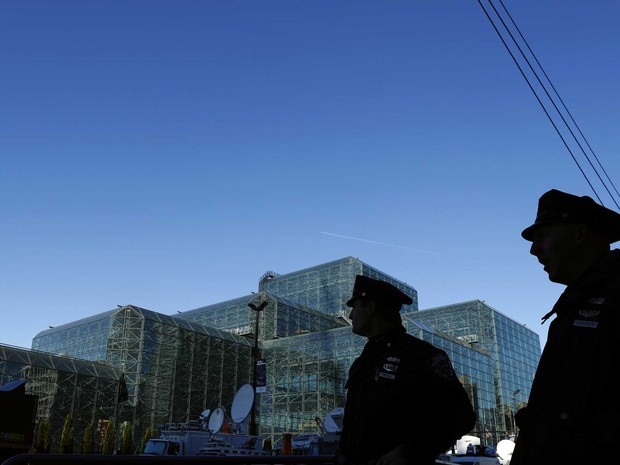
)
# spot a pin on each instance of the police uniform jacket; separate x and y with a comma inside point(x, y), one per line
point(402, 391)
point(573, 411)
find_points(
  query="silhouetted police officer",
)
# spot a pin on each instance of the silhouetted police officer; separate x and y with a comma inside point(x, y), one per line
point(404, 404)
point(573, 413)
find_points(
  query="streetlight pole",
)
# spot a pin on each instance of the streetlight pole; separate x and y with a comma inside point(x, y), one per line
point(513, 407)
point(257, 309)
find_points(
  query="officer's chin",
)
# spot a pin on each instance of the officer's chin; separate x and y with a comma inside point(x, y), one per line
point(358, 331)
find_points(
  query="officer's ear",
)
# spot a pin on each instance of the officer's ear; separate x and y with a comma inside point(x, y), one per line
point(580, 232)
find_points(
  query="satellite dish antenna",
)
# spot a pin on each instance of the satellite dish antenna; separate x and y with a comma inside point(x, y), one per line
point(203, 418)
point(242, 403)
point(504, 449)
point(333, 420)
point(217, 420)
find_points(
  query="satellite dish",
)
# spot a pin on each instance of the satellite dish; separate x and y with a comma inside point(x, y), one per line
point(242, 403)
point(505, 448)
point(333, 420)
point(205, 414)
point(217, 420)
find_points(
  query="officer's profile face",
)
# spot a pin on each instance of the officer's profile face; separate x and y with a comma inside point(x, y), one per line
point(360, 316)
point(556, 246)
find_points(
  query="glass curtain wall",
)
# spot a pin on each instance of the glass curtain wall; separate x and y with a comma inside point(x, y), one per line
point(84, 390)
point(514, 349)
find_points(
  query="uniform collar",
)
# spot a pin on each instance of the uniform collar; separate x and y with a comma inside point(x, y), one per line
point(604, 266)
point(389, 334)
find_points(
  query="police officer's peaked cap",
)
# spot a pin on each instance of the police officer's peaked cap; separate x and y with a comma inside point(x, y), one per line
point(380, 291)
point(556, 206)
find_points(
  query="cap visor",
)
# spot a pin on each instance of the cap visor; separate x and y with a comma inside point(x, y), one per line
point(528, 233)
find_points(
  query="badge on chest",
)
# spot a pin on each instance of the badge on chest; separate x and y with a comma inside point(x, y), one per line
point(388, 369)
point(588, 316)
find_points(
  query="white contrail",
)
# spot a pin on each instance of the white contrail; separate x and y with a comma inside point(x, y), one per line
point(379, 243)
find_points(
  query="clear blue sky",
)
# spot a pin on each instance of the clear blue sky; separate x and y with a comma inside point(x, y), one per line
point(167, 153)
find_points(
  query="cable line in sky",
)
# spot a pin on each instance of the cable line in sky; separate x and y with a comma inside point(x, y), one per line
point(549, 96)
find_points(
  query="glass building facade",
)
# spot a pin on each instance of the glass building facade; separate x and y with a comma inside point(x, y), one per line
point(177, 366)
point(174, 369)
point(327, 287)
point(87, 391)
point(515, 349)
point(280, 318)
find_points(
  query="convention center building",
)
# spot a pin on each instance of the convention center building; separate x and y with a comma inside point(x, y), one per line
point(133, 366)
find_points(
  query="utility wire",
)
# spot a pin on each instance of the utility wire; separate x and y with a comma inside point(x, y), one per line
point(563, 105)
point(537, 97)
point(548, 96)
point(542, 85)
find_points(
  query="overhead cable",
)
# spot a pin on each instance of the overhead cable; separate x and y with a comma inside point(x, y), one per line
point(561, 101)
point(542, 85)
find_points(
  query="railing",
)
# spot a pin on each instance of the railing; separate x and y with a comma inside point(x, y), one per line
point(95, 459)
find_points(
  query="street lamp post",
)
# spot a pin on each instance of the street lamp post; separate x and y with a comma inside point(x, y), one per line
point(257, 309)
point(513, 407)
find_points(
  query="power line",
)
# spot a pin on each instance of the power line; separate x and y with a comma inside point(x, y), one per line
point(542, 85)
point(560, 99)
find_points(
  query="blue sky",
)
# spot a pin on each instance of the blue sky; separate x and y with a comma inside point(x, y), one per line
point(167, 153)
